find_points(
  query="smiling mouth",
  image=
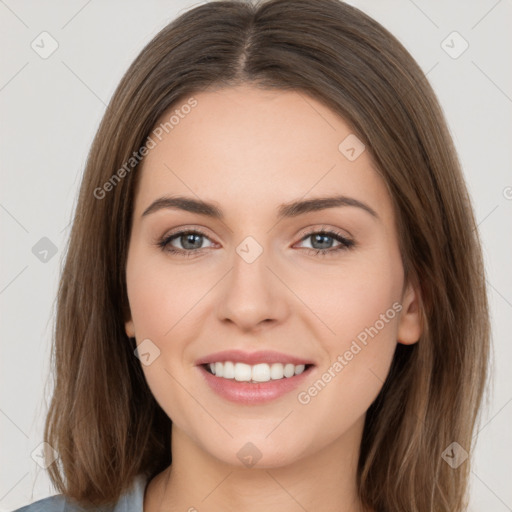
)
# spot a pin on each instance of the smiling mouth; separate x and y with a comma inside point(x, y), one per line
point(254, 374)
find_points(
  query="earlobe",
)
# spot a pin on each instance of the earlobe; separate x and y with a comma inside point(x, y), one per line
point(410, 326)
point(128, 322)
point(129, 328)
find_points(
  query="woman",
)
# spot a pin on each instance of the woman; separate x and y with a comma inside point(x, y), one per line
point(273, 295)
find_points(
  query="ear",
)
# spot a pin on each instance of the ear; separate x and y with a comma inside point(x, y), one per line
point(410, 326)
point(129, 328)
point(128, 324)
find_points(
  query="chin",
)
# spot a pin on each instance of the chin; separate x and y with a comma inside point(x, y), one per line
point(246, 452)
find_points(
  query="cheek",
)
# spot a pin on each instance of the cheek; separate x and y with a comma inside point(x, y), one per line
point(159, 295)
point(358, 362)
point(355, 295)
point(366, 302)
point(362, 308)
point(161, 302)
point(364, 317)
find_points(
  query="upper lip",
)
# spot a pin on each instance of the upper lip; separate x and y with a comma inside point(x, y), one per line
point(239, 356)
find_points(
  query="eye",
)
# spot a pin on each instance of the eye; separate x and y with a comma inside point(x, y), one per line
point(322, 242)
point(190, 241)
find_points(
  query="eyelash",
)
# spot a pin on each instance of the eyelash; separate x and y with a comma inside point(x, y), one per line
point(345, 243)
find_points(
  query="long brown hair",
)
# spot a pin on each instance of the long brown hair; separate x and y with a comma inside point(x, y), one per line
point(103, 420)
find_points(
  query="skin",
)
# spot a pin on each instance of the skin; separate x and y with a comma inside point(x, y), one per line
point(249, 150)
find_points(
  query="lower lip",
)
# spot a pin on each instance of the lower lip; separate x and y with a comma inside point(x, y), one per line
point(257, 393)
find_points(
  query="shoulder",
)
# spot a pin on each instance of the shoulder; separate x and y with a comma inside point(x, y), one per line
point(53, 503)
point(130, 501)
point(57, 503)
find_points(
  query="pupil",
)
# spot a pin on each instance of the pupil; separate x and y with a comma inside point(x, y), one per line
point(324, 240)
point(190, 239)
point(324, 237)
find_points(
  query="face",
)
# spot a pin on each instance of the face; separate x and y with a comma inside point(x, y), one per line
point(315, 290)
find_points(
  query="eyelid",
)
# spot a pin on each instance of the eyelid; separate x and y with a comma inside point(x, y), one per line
point(344, 241)
point(184, 229)
point(181, 230)
point(325, 228)
point(335, 233)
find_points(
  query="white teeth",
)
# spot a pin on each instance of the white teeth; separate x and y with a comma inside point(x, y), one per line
point(299, 369)
point(255, 373)
point(289, 370)
point(276, 371)
point(228, 370)
point(242, 372)
point(261, 372)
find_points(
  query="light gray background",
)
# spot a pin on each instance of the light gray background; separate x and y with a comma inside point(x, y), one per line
point(50, 109)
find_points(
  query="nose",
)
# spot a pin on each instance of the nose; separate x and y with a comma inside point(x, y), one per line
point(252, 296)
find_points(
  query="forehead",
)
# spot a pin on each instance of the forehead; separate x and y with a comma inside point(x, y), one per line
point(256, 147)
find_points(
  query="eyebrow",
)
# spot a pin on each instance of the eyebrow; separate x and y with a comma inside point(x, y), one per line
point(286, 210)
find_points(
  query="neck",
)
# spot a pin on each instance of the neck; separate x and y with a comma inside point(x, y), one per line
point(325, 480)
